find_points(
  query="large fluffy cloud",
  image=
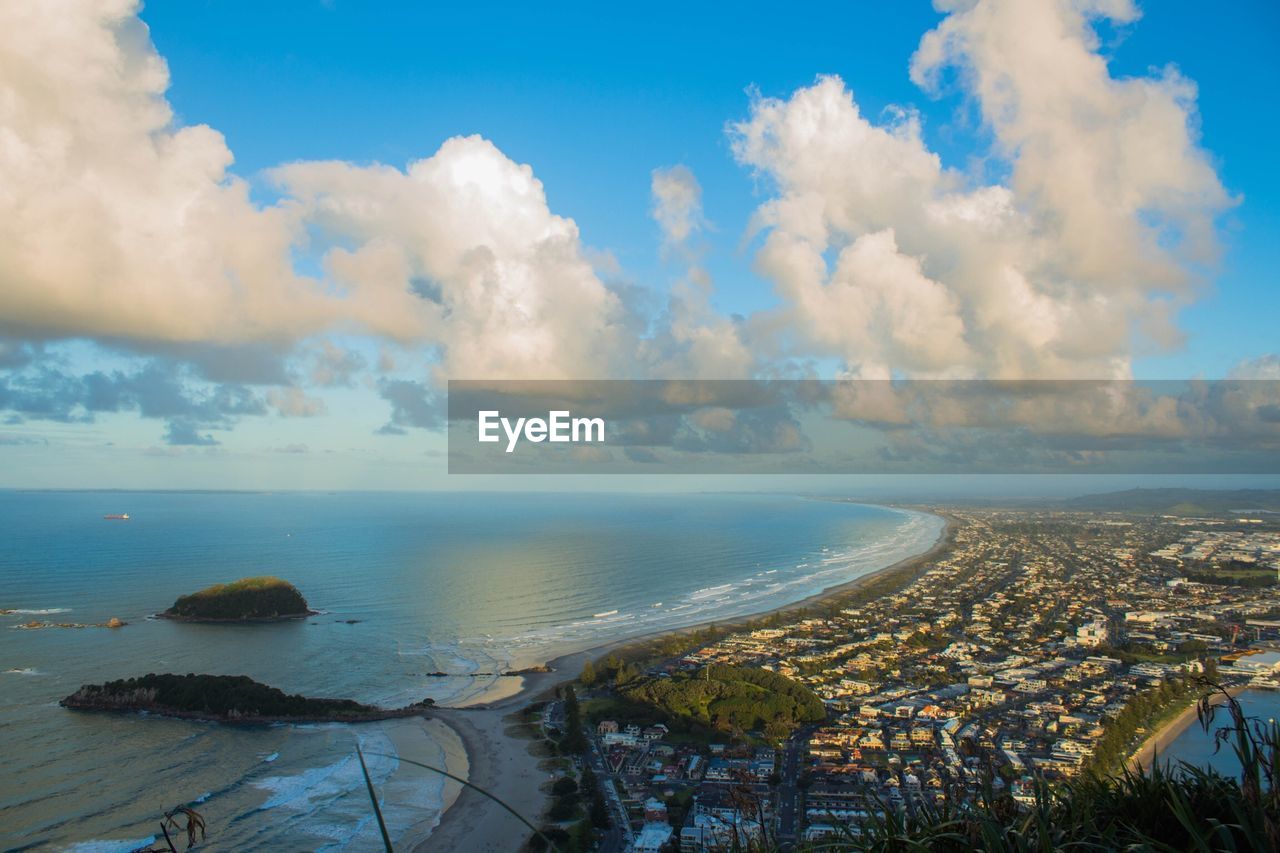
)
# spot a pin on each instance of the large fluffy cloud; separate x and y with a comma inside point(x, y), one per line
point(125, 227)
point(502, 284)
point(892, 262)
point(120, 224)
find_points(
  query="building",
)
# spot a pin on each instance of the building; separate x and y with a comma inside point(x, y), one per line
point(710, 833)
point(652, 838)
point(1093, 634)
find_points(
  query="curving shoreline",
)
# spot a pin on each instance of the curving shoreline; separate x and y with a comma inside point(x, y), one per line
point(498, 764)
point(1160, 740)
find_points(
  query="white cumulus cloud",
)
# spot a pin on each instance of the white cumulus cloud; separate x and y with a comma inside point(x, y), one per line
point(124, 226)
point(121, 224)
point(890, 261)
point(677, 203)
point(501, 284)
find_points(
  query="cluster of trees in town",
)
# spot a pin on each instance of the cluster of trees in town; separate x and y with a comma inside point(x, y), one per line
point(1231, 573)
point(612, 670)
point(731, 699)
point(1131, 651)
point(574, 741)
point(1140, 714)
point(578, 808)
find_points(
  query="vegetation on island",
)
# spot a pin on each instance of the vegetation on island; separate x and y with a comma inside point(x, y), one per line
point(222, 697)
point(260, 598)
point(731, 699)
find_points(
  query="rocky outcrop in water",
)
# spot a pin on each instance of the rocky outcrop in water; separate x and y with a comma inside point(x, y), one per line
point(35, 625)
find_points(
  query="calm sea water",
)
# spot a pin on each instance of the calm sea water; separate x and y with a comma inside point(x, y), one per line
point(1196, 746)
point(460, 583)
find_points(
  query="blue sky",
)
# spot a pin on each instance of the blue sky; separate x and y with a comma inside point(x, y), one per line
point(596, 101)
point(593, 103)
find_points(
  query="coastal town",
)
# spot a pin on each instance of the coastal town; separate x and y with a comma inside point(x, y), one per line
point(1029, 647)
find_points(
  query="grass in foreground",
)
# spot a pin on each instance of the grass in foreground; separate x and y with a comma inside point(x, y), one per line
point(1165, 809)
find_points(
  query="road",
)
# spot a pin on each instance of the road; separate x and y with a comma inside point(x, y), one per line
point(793, 752)
point(617, 838)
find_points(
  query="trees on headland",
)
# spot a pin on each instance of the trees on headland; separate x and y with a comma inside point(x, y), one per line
point(731, 698)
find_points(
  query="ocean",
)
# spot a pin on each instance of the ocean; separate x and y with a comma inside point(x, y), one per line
point(408, 584)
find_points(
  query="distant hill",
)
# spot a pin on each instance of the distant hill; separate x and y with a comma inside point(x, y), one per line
point(1185, 502)
point(248, 599)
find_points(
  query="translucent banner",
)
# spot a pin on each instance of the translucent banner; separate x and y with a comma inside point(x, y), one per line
point(864, 427)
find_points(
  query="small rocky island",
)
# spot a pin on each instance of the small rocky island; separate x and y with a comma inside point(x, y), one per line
point(226, 698)
point(262, 599)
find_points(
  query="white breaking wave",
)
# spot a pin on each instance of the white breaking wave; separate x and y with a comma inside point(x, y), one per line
point(319, 797)
point(111, 846)
point(738, 598)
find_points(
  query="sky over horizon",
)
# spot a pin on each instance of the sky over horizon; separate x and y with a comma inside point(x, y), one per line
point(247, 244)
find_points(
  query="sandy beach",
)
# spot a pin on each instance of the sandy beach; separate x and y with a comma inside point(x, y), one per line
point(416, 739)
point(501, 760)
point(1160, 740)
